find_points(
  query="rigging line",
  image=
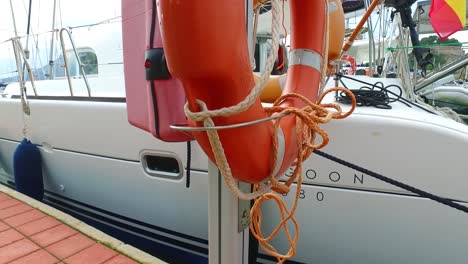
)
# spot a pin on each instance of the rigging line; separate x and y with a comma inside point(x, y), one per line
point(72, 27)
point(9, 72)
point(60, 13)
point(23, 36)
point(38, 55)
point(36, 39)
point(404, 186)
point(46, 50)
point(38, 17)
point(459, 44)
point(6, 40)
point(13, 17)
point(107, 21)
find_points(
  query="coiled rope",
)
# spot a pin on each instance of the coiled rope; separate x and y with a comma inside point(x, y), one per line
point(308, 120)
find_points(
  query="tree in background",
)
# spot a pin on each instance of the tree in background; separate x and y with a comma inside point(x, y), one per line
point(450, 50)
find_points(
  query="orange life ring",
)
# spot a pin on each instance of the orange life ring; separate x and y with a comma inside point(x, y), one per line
point(352, 61)
point(206, 48)
point(336, 32)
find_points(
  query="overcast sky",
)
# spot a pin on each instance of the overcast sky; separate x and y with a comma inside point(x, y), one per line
point(69, 13)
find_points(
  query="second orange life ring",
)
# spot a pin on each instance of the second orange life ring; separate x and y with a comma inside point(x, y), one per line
point(336, 32)
point(206, 48)
point(352, 61)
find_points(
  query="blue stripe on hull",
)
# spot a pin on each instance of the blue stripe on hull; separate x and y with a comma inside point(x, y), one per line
point(64, 199)
point(162, 251)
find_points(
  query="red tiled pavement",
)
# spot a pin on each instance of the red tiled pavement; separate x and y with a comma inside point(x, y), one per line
point(9, 236)
point(53, 235)
point(4, 197)
point(37, 226)
point(120, 260)
point(8, 203)
point(4, 226)
point(14, 210)
point(70, 246)
point(37, 257)
point(24, 218)
point(17, 250)
point(28, 236)
point(95, 254)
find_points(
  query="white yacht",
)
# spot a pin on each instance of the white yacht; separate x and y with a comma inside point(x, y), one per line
point(122, 180)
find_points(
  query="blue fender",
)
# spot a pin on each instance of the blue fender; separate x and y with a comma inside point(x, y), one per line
point(27, 167)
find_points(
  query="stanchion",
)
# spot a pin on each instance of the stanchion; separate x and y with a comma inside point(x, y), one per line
point(228, 218)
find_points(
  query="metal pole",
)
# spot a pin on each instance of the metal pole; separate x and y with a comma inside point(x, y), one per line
point(415, 61)
point(226, 243)
point(228, 217)
point(371, 41)
point(444, 71)
point(28, 27)
point(51, 57)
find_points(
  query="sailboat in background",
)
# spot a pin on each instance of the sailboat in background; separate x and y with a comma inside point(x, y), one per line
point(153, 194)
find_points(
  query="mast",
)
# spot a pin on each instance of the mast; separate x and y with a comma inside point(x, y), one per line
point(13, 17)
point(51, 57)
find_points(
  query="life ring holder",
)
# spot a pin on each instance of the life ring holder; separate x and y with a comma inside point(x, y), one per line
point(185, 128)
point(308, 56)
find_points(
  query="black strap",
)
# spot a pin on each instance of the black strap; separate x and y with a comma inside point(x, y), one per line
point(394, 182)
point(189, 161)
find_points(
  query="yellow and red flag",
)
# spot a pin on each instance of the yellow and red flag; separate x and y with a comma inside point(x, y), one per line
point(447, 16)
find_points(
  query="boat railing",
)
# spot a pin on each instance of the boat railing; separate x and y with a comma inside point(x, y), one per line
point(65, 59)
point(20, 56)
point(442, 72)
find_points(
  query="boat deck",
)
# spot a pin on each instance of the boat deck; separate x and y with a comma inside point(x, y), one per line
point(31, 232)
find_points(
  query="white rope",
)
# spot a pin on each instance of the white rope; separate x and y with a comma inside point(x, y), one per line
point(24, 101)
point(402, 61)
point(206, 115)
point(324, 79)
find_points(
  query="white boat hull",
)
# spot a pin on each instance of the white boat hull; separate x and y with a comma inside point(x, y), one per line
point(92, 169)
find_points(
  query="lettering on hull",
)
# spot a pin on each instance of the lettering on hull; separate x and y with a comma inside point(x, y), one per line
point(333, 177)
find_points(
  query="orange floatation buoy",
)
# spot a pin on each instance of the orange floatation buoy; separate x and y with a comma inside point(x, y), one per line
point(206, 48)
point(273, 88)
point(336, 31)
